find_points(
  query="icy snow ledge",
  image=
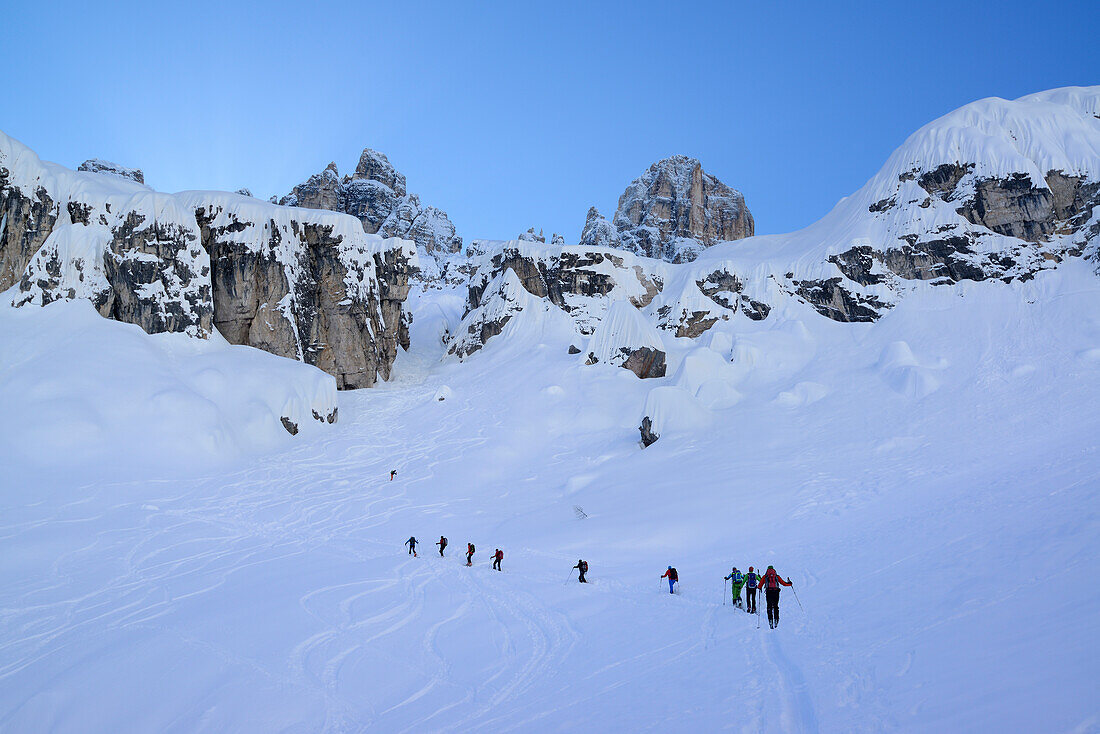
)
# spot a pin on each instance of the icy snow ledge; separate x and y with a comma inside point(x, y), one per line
point(82, 390)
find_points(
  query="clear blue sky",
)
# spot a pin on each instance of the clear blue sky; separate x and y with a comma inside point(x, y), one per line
point(508, 115)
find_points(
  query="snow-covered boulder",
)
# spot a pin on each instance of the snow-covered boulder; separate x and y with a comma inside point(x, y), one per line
point(668, 409)
point(675, 209)
point(98, 165)
point(625, 338)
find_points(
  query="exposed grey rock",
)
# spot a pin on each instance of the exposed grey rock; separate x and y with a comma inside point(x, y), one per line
point(96, 165)
point(244, 192)
point(290, 426)
point(574, 349)
point(830, 298)
point(598, 232)
point(648, 436)
point(376, 195)
point(557, 240)
point(645, 362)
point(675, 209)
point(26, 220)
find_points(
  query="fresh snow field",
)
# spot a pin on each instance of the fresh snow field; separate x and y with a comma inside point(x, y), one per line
point(930, 483)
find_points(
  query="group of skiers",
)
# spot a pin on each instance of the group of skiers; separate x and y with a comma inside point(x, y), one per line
point(498, 554)
point(770, 581)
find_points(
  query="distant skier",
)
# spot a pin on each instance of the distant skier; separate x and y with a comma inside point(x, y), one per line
point(751, 579)
point(469, 554)
point(393, 473)
point(670, 574)
point(442, 545)
point(737, 580)
point(411, 542)
point(497, 558)
point(582, 566)
point(770, 583)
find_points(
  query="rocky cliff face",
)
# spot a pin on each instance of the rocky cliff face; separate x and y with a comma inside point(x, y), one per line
point(308, 285)
point(377, 196)
point(675, 210)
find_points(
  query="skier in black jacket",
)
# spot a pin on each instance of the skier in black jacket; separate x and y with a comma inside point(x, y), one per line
point(411, 542)
point(582, 566)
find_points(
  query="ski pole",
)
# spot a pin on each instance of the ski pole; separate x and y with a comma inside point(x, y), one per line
point(723, 592)
point(796, 599)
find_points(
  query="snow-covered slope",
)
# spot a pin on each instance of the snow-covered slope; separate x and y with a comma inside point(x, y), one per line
point(900, 417)
point(928, 482)
point(81, 391)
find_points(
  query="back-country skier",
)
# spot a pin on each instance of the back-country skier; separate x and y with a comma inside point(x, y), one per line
point(751, 579)
point(736, 582)
point(469, 554)
point(497, 558)
point(770, 583)
point(670, 574)
point(411, 542)
point(442, 545)
point(393, 473)
point(582, 566)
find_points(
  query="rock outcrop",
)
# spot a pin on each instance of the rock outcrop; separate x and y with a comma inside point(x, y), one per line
point(97, 165)
point(377, 196)
point(531, 236)
point(675, 210)
point(308, 285)
point(598, 232)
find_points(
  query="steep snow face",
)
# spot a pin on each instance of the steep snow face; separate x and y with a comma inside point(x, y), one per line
point(675, 209)
point(308, 285)
point(377, 196)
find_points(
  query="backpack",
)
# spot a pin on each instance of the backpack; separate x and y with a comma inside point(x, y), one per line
point(673, 575)
point(584, 566)
point(736, 577)
point(500, 555)
point(442, 540)
point(751, 579)
point(771, 579)
point(469, 547)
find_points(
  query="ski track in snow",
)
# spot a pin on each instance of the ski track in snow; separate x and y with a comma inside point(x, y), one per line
point(277, 595)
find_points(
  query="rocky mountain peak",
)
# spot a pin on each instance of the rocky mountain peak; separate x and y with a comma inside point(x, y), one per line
point(375, 166)
point(98, 165)
point(531, 236)
point(598, 232)
point(377, 196)
point(675, 209)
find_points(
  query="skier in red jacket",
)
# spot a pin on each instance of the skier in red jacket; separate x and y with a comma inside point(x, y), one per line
point(770, 583)
point(497, 558)
point(672, 577)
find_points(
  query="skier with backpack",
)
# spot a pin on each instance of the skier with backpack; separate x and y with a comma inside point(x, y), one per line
point(393, 473)
point(582, 566)
point(469, 554)
point(442, 545)
point(751, 579)
point(672, 577)
point(497, 558)
point(736, 582)
point(770, 583)
point(411, 542)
